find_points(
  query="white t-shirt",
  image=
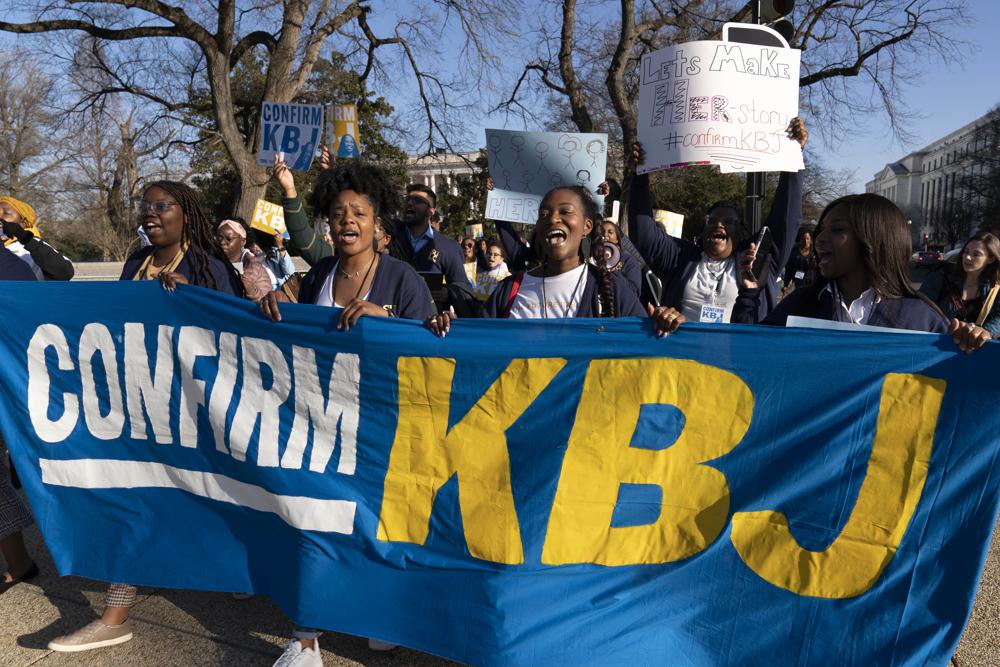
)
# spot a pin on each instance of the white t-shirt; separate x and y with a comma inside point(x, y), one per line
point(325, 297)
point(562, 295)
point(713, 283)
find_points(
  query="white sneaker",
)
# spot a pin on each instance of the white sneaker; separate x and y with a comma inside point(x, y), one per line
point(379, 645)
point(296, 656)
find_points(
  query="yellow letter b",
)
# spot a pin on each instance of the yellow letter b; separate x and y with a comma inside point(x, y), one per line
point(717, 408)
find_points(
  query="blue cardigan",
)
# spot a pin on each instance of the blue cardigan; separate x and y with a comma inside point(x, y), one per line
point(813, 301)
point(396, 287)
point(674, 260)
point(626, 301)
point(13, 267)
point(226, 281)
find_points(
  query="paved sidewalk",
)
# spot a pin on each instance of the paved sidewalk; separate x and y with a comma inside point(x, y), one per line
point(172, 628)
point(175, 628)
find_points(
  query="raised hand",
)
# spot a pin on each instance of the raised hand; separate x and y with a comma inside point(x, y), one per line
point(284, 177)
point(797, 131)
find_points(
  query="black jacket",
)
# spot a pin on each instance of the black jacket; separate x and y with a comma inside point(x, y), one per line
point(674, 260)
point(439, 255)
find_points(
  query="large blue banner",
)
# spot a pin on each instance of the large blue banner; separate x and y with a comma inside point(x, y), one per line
point(558, 493)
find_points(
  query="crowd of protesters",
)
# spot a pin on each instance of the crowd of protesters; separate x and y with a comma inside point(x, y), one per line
point(384, 256)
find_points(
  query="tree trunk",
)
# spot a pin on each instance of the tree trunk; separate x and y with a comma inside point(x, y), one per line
point(253, 183)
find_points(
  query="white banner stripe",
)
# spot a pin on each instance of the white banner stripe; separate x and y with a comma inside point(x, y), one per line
point(328, 516)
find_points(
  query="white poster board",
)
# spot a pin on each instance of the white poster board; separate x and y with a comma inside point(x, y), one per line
point(524, 166)
point(292, 129)
point(721, 103)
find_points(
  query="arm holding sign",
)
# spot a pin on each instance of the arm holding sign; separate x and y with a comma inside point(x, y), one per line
point(785, 215)
point(518, 254)
point(665, 255)
point(311, 247)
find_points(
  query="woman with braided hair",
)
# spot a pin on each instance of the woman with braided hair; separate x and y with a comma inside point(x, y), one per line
point(184, 250)
point(184, 247)
point(565, 284)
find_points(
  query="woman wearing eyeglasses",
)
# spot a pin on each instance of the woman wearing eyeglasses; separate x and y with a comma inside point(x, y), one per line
point(184, 250)
point(967, 291)
point(487, 280)
point(184, 245)
point(469, 256)
point(257, 279)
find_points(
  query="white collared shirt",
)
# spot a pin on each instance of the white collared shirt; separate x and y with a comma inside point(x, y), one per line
point(858, 311)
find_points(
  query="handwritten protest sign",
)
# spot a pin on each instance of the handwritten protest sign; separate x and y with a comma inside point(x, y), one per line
point(292, 129)
point(342, 130)
point(526, 165)
point(722, 103)
point(268, 217)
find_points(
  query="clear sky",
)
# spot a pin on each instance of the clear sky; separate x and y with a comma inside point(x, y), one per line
point(946, 98)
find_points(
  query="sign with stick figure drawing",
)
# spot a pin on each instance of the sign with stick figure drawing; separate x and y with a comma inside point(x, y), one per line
point(524, 166)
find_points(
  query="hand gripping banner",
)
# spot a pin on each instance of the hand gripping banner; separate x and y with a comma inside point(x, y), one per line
point(559, 493)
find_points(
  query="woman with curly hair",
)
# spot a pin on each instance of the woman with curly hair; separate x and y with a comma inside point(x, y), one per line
point(361, 281)
point(357, 278)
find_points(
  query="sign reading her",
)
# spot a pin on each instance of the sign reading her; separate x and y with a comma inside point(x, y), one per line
point(721, 103)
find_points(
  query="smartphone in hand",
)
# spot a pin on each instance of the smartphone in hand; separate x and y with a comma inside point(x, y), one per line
point(763, 243)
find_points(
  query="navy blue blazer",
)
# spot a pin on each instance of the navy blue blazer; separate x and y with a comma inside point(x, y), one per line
point(519, 256)
point(812, 301)
point(626, 301)
point(226, 281)
point(13, 267)
point(439, 255)
point(674, 260)
point(396, 287)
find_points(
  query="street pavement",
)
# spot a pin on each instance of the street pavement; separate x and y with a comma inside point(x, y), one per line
point(171, 628)
point(186, 628)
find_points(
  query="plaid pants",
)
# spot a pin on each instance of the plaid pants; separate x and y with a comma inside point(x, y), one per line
point(120, 595)
point(14, 514)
